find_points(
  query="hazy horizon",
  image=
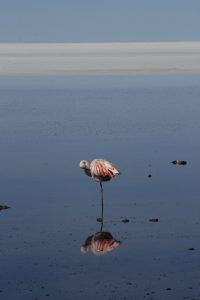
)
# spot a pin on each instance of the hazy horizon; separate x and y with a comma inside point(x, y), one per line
point(100, 59)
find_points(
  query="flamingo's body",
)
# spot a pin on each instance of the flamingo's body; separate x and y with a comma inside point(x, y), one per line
point(99, 169)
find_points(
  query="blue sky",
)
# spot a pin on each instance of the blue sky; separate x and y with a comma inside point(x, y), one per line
point(99, 20)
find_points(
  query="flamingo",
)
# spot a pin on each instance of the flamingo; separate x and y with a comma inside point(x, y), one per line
point(100, 170)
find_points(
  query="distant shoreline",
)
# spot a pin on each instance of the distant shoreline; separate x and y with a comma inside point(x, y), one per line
point(43, 59)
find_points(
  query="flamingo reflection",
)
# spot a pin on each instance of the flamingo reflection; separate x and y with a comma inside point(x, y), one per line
point(101, 242)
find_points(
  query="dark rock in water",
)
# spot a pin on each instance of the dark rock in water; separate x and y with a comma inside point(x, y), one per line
point(149, 175)
point(153, 220)
point(2, 206)
point(125, 220)
point(191, 248)
point(179, 162)
point(99, 220)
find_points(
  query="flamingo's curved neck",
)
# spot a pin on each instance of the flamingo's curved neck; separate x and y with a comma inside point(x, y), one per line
point(87, 170)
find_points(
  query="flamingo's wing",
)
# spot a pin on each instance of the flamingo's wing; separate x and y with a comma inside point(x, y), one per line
point(102, 170)
point(99, 171)
point(110, 167)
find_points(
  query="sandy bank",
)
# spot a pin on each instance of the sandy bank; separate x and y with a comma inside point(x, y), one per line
point(109, 58)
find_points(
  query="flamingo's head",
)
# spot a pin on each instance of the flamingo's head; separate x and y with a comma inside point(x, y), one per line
point(84, 164)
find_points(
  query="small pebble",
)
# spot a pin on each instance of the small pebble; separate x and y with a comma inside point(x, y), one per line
point(179, 162)
point(2, 206)
point(153, 220)
point(149, 175)
point(125, 220)
point(99, 220)
point(191, 248)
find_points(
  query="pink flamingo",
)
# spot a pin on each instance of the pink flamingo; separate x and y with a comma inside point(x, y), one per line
point(100, 170)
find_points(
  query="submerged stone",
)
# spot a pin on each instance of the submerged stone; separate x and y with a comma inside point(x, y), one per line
point(153, 220)
point(179, 162)
point(125, 220)
point(2, 206)
point(99, 220)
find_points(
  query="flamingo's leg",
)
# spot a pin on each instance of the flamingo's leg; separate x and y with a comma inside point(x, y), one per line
point(101, 205)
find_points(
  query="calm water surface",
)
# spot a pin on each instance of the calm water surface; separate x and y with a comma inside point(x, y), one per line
point(45, 132)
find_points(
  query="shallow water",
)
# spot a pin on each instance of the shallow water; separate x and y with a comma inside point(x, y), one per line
point(45, 132)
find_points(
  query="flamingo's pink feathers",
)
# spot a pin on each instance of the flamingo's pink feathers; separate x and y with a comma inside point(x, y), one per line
point(103, 170)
